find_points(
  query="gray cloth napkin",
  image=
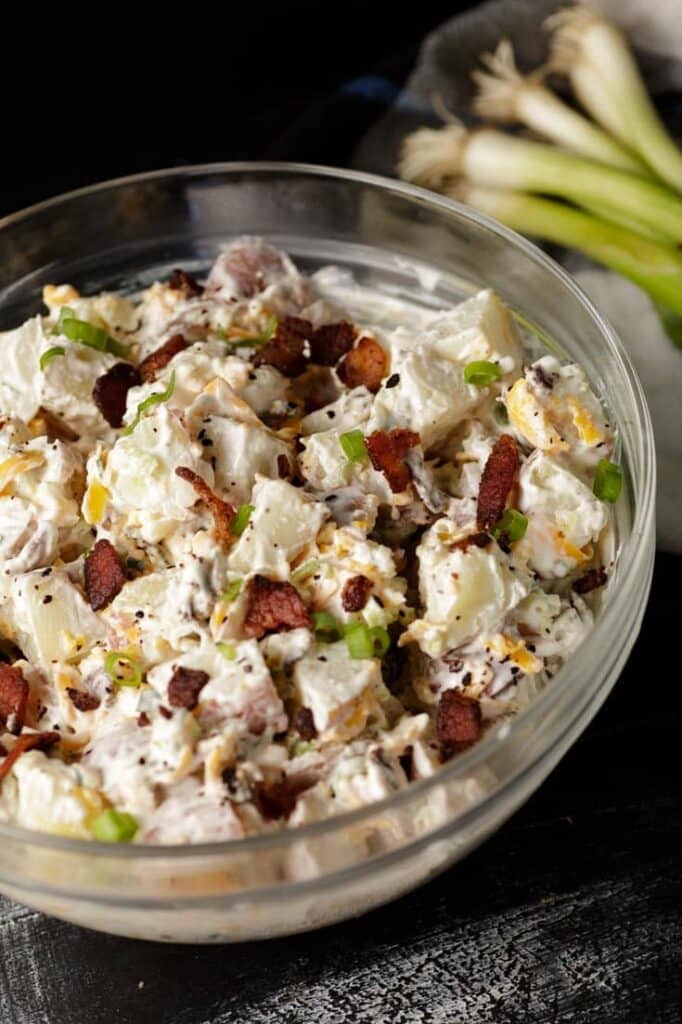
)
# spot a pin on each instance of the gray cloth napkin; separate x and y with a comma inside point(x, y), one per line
point(446, 59)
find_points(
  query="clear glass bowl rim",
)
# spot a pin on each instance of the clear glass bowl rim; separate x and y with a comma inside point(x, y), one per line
point(630, 556)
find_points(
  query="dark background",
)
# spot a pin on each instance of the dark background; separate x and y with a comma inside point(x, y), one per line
point(570, 912)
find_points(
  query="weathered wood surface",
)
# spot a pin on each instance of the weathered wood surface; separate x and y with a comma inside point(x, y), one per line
point(570, 914)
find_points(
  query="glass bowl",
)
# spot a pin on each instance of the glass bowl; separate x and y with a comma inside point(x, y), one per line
point(122, 235)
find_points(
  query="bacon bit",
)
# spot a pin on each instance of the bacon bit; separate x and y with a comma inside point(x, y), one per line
point(222, 511)
point(166, 712)
point(184, 687)
point(111, 391)
point(276, 800)
point(497, 481)
point(355, 593)
point(286, 350)
point(81, 700)
point(331, 341)
point(366, 364)
point(387, 452)
point(284, 467)
point(592, 580)
point(13, 698)
point(181, 281)
point(143, 719)
point(458, 722)
point(274, 607)
point(104, 575)
point(304, 724)
point(161, 357)
point(476, 540)
point(53, 426)
point(29, 741)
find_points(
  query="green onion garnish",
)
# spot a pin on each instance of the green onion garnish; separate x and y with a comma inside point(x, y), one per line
point(305, 570)
point(56, 350)
point(500, 413)
point(87, 334)
point(228, 651)
point(256, 339)
point(303, 747)
point(512, 524)
point(353, 444)
point(238, 524)
point(233, 590)
point(381, 641)
point(326, 627)
point(359, 640)
point(608, 481)
point(150, 401)
point(112, 826)
point(481, 373)
point(122, 670)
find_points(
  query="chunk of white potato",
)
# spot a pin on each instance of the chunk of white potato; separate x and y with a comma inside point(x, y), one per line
point(479, 329)
point(52, 796)
point(350, 410)
point(339, 690)
point(240, 452)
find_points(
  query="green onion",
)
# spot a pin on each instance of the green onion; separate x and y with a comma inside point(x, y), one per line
point(112, 826)
point(608, 481)
point(481, 373)
point(381, 640)
point(303, 747)
point(500, 413)
point(256, 339)
point(606, 80)
point(242, 516)
point(326, 627)
point(233, 590)
point(359, 640)
point(228, 651)
point(87, 334)
point(150, 401)
point(122, 670)
point(56, 350)
point(512, 524)
point(304, 571)
point(353, 444)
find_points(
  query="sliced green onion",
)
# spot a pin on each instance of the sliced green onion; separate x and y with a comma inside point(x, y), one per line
point(359, 640)
point(256, 339)
point(353, 444)
point(228, 651)
point(303, 747)
point(304, 571)
point(56, 350)
point(233, 590)
point(87, 334)
point(608, 481)
point(326, 627)
point(381, 640)
point(239, 523)
point(150, 401)
point(500, 413)
point(122, 669)
point(112, 826)
point(481, 373)
point(512, 523)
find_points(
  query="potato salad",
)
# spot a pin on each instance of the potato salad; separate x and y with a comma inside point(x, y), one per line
point(273, 546)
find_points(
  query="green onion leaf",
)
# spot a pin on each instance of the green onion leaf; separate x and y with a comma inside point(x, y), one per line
point(56, 350)
point(481, 373)
point(122, 670)
point(326, 627)
point(149, 402)
point(500, 413)
point(228, 651)
point(238, 524)
point(257, 339)
point(353, 444)
point(233, 590)
point(112, 826)
point(359, 640)
point(512, 523)
point(303, 747)
point(304, 571)
point(381, 641)
point(87, 334)
point(608, 481)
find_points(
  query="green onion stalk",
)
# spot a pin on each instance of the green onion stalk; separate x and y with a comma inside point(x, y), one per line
point(606, 80)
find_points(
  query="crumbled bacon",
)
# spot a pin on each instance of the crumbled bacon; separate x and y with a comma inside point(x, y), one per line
point(591, 580)
point(497, 481)
point(161, 357)
point(458, 722)
point(181, 281)
point(222, 511)
point(29, 741)
point(286, 351)
point(366, 364)
point(13, 698)
point(276, 800)
point(355, 593)
point(104, 575)
point(111, 391)
point(387, 452)
point(184, 687)
point(53, 426)
point(474, 540)
point(331, 341)
point(82, 700)
point(273, 607)
point(304, 724)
